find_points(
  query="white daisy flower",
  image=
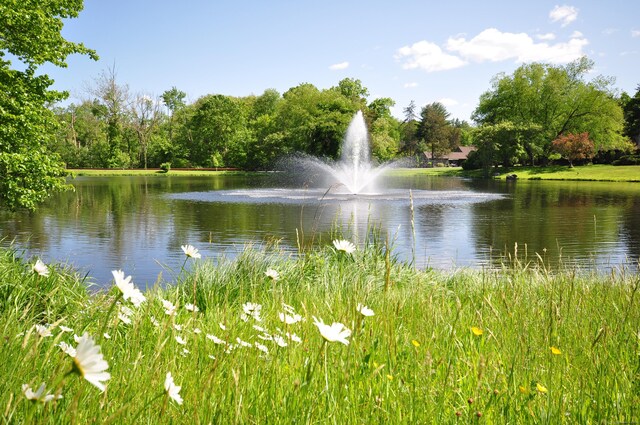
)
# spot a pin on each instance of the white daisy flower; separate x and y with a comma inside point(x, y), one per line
point(243, 343)
point(177, 327)
point(337, 332)
point(180, 340)
point(190, 251)
point(252, 310)
point(364, 310)
point(63, 328)
point(173, 391)
point(294, 337)
point(261, 347)
point(280, 341)
point(197, 331)
point(124, 318)
point(67, 348)
point(129, 291)
point(39, 395)
point(43, 330)
point(192, 307)
point(169, 308)
point(265, 337)
point(222, 326)
point(40, 268)
point(106, 335)
point(89, 362)
point(272, 274)
point(215, 339)
point(289, 319)
point(289, 309)
point(344, 245)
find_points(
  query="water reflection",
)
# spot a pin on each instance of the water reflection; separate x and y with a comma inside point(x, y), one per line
point(139, 223)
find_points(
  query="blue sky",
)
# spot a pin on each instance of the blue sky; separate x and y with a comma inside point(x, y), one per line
point(425, 51)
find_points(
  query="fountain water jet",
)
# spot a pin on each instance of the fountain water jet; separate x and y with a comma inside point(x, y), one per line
point(354, 171)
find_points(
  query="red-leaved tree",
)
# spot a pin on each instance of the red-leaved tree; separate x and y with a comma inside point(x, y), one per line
point(574, 147)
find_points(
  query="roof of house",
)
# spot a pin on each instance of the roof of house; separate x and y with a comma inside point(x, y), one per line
point(460, 153)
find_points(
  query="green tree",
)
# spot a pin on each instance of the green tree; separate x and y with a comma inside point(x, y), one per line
point(174, 100)
point(354, 91)
point(112, 103)
point(30, 34)
point(409, 130)
point(434, 129)
point(554, 100)
point(146, 116)
point(632, 117)
point(216, 133)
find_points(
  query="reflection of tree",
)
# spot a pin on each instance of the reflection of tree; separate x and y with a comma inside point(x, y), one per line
point(631, 228)
point(574, 220)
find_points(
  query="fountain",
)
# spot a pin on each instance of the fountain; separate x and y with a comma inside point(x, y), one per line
point(354, 171)
point(351, 183)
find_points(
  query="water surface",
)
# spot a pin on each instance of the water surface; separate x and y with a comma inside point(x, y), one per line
point(139, 223)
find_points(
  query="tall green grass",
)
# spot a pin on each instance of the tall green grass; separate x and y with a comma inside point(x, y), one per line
point(463, 346)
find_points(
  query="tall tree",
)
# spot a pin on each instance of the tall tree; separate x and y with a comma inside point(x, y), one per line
point(174, 100)
point(410, 140)
point(632, 117)
point(434, 129)
point(112, 102)
point(30, 34)
point(146, 116)
point(556, 100)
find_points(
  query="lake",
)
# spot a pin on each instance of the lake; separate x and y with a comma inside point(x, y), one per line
point(139, 223)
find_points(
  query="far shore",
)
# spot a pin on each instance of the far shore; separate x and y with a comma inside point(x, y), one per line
point(623, 173)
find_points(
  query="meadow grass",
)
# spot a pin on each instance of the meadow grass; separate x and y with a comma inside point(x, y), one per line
point(516, 345)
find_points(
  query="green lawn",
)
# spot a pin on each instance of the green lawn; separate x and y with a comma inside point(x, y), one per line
point(626, 173)
point(149, 172)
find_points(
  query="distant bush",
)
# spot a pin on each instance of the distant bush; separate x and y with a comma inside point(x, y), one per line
point(165, 167)
point(627, 160)
point(473, 161)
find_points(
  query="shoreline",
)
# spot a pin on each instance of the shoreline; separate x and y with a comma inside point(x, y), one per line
point(604, 173)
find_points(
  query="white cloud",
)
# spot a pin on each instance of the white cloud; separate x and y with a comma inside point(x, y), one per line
point(447, 101)
point(427, 56)
point(494, 45)
point(635, 33)
point(564, 14)
point(577, 34)
point(339, 66)
point(410, 85)
point(546, 37)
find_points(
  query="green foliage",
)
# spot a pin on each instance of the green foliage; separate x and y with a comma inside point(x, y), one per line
point(30, 32)
point(436, 131)
point(554, 100)
point(627, 160)
point(165, 167)
point(631, 108)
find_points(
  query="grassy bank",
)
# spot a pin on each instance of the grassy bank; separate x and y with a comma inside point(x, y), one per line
point(623, 173)
point(628, 173)
point(515, 346)
point(151, 172)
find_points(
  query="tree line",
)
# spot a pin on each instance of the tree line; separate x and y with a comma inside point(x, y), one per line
point(539, 113)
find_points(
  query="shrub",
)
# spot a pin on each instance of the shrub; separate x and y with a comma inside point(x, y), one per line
point(165, 167)
point(627, 160)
